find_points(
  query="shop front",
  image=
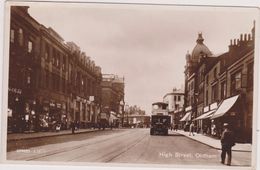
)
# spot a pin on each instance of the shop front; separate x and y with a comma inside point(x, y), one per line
point(230, 111)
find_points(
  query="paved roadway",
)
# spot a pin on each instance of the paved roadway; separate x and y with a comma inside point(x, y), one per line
point(120, 146)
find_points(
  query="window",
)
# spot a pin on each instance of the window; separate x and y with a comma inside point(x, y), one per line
point(30, 47)
point(179, 98)
point(29, 79)
point(192, 84)
point(207, 80)
point(175, 98)
point(223, 90)
point(58, 60)
point(53, 57)
point(214, 95)
point(250, 76)
point(47, 52)
point(12, 36)
point(235, 82)
point(215, 73)
point(20, 37)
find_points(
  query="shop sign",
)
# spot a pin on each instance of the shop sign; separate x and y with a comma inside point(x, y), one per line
point(206, 109)
point(58, 105)
point(52, 104)
point(188, 108)
point(15, 90)
point(213, 106)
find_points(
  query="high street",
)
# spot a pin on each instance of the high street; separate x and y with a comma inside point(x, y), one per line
point(121, 146)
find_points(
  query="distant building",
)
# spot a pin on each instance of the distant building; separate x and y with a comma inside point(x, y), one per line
point(113, 94)
point(175, 101)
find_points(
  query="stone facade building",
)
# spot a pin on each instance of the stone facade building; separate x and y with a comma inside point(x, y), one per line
point(113, 95)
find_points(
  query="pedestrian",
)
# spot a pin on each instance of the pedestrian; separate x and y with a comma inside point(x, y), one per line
point(227, 142)
point(191, 129)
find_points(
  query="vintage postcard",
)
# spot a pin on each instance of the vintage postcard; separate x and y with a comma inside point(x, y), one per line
point(130, 84)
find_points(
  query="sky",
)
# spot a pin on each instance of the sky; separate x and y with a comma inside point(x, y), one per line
point(145, 44)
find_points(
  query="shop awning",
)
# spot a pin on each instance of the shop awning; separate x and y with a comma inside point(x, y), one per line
point(225, 106)
point(186, 117)
point(205, 115)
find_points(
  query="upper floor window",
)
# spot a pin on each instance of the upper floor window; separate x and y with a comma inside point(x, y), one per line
point(20, 37)
point(175, 98)
point(12, 36)
point(215, 73)
point(214, 95)
point(47, 52)
point(179, 98)
point(235, 82)
point(223, 90)
point(30, 46)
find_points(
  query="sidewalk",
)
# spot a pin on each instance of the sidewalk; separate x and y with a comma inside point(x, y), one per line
point(31, 135)
point(215, 143)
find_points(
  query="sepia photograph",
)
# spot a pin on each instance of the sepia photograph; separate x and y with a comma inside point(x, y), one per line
point(130, 84)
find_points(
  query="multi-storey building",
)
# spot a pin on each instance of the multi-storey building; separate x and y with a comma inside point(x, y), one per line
point(175, 101)
point(223, 88)
point(49, 82)
point(113, 95)
point(192, 80)
point(85, 87)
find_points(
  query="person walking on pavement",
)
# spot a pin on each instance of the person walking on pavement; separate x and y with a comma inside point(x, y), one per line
point(191, 129)
point(227, 142)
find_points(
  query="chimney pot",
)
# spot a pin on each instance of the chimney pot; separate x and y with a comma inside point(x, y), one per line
point(249, 37)
point(245, 37)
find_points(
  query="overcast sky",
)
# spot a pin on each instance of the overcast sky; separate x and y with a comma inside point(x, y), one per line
point(145, 44)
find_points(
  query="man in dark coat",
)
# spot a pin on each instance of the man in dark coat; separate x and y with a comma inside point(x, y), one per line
point(227, 141)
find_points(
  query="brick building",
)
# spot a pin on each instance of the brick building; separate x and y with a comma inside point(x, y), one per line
point(49, 81)
point(221, 88)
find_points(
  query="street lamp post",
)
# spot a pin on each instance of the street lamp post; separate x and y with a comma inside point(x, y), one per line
point(122, 110)
point(126, 111)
